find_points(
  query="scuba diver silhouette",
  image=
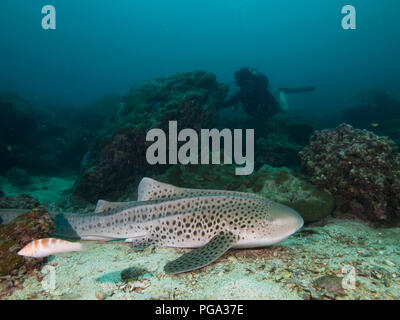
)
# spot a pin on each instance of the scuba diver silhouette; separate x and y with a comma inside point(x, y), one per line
point(255, 95)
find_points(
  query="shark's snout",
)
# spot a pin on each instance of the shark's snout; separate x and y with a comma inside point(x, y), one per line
point(281, 223)
point(288, 219)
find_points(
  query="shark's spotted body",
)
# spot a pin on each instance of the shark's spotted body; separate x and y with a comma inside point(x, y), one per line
point(214, 220)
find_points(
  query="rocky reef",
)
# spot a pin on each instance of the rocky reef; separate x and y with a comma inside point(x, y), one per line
point(277, 149)
point(204, 177)
point(22, 201)
point(292, 189)
point(361, 169)
point(117, 159)
point(14, 236)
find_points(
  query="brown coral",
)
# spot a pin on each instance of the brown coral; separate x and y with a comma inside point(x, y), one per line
point(118, 157)
point(360, 168)
point(13, 237)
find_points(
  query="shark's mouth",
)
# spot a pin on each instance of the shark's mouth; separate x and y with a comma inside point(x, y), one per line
point(258, 243)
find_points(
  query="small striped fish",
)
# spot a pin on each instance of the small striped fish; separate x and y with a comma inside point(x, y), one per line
point(48, 246)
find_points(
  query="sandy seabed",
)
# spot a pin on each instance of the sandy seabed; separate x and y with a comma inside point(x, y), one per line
point(339, 260)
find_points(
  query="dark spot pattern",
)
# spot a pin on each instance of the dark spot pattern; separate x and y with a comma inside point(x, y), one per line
point(202, 256)
point(180, 217)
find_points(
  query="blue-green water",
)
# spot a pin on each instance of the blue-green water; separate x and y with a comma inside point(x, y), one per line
point(104, 47)
point(317, 105)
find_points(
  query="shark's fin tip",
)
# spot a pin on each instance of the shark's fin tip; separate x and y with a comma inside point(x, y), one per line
point(150, 189)
point(202, 256)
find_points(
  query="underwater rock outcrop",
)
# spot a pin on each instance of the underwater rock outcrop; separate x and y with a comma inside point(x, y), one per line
point(35, 224)
point(278, 150)
point(22, 201)
point(210, 176)
point(290, 188)
point(361, 169)
point(117, 159)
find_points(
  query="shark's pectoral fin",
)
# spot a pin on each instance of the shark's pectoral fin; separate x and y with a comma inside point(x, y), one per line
point(202, 256)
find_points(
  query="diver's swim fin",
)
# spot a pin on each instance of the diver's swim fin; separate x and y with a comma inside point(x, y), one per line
point(282, 95)
point(283, 101)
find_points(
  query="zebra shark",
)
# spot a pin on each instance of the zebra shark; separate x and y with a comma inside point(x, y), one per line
point(210, 221)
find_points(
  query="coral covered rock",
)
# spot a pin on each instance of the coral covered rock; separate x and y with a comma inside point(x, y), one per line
point(204, 177)
point(277, 150)
point(360, 168)
point(118, 157)
point(289, 188)
point(35, 224)
point(22, 201)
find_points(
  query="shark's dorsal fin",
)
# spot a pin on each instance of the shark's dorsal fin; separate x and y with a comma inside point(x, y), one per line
point(104, 206)
point(150, 189)
point(203, 256)
point(100, 206)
